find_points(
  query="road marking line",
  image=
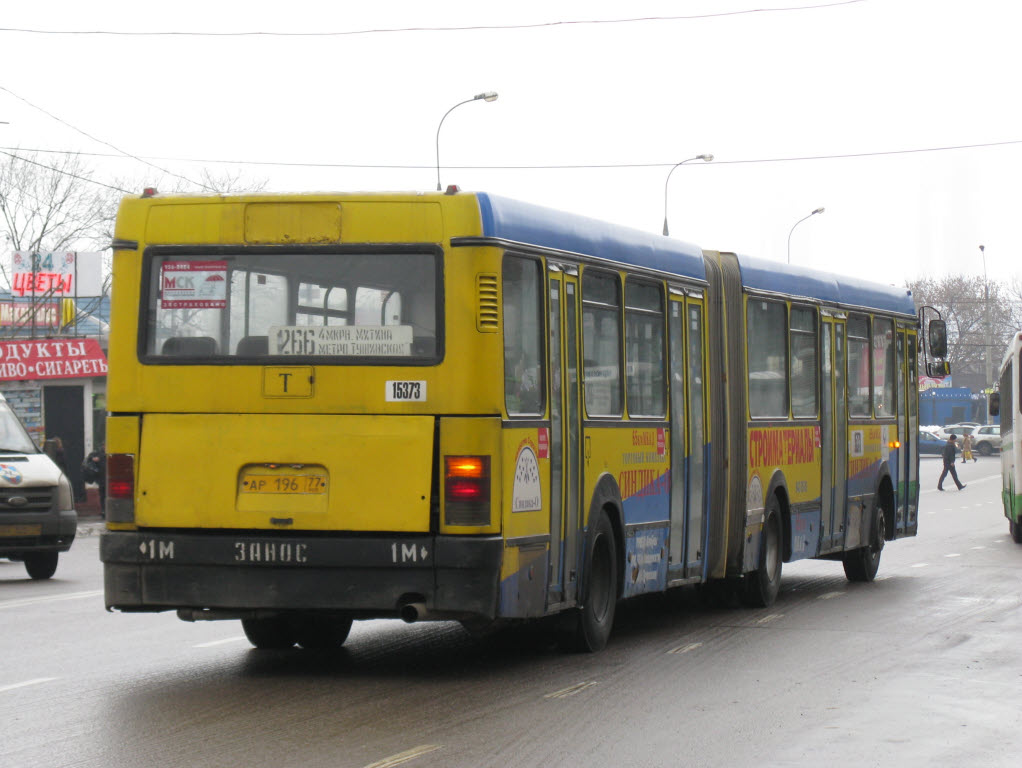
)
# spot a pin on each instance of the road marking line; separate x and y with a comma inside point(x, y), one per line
point(404, 757)
point(953, 554)
point(27, 682)
point(212, 643)
point(685, 648)
point(919, 565)
point(979, 547)
point(569, 691)
point(769, 618)
point(49, 599)
point(830, 595)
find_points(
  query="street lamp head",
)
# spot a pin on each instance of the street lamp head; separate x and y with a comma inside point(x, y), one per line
point(707, 158)
point(484, 96)
point(818, 210)
point(982, 248)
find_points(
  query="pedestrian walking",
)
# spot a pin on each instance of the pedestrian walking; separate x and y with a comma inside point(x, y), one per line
point(949, 452)
point(967, 449)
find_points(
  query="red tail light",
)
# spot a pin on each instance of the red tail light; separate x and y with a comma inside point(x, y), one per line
point(467, 490)
point(120, 475)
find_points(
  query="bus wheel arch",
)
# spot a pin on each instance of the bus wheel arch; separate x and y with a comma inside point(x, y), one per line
point(602, 573)
point(763, 584)
point(861, 564)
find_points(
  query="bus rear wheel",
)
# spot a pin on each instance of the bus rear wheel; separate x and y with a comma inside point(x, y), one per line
point(863, 563)
point(270, 634)
point(763, 584)
point(599, 601)
point(322, 633)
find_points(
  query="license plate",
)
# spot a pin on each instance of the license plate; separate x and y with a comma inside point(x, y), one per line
point(20, 530)
point(283, 483)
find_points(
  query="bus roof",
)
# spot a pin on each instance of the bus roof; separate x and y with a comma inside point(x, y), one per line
point(518, 222)
point(797, 281)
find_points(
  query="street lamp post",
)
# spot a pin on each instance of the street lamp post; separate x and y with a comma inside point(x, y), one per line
point(988, 340)
point(487, 96)
point(818, 210)
point(705, 158)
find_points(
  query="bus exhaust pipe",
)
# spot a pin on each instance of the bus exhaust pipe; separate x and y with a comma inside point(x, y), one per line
point(413, 612)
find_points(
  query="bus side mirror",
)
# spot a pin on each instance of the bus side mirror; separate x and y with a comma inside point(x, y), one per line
point(938, 370)
point(937, 333)
point(995, 404)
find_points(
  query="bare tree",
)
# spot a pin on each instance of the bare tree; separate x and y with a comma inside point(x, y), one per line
point(52, 204)
point(979, 317)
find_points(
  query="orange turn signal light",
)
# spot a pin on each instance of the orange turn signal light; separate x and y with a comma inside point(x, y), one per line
point(466, 466)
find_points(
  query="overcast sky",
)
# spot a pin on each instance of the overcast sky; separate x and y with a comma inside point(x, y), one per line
point(877, 80)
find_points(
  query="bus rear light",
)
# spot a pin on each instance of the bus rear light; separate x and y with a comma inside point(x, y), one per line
point(895, 444)
point(120, 487)
point(467, 490)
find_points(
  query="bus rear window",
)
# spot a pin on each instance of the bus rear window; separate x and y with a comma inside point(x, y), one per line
point(352, 307)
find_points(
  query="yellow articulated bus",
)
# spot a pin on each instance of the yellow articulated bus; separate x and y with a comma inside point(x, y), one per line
point(333, 407)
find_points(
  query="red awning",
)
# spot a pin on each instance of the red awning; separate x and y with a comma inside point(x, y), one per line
point(51, 359)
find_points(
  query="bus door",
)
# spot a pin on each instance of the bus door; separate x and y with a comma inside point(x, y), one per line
point(833, 435)
point(908, 435)
point(827, 436)
point(688, 438)
point(564, 439)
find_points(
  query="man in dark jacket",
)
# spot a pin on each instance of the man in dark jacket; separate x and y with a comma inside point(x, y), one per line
point(949, 463)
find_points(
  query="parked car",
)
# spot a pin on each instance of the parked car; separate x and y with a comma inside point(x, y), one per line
point(987, 440)
point(955, 429)
point(37, 511)
point(930, 443)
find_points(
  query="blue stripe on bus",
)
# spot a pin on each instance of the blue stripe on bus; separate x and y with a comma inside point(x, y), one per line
point(533, 224)
point(773, 276)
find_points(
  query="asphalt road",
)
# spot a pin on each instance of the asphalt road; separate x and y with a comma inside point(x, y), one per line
point(921, 667)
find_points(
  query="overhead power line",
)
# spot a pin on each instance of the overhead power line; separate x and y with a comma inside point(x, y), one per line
point(101, 141)
point(558, 166)
point(466, 28)
point(63, 172)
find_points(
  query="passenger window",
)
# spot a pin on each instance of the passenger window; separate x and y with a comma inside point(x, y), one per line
point(884, 369)
point(523, 336)
point(601, 343)
point(768, 359)
point(803, 362)
point(644, 349)
point(858, 366)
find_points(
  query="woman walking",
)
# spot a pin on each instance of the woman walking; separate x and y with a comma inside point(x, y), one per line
point(967, 449)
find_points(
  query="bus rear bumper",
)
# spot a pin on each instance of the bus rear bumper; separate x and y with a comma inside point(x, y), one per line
point(453, 576)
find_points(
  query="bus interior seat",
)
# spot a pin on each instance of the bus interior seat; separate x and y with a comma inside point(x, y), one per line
point(424, 346)
point(251, 346)
point(190, 346)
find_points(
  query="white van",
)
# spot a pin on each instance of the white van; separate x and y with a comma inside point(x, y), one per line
point(37, 511)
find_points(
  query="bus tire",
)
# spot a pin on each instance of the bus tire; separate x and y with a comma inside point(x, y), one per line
point(41, 565)
point(322, 633)
point(863, 563)
point(273, 634)
point(599, 600)
point(763, 584)
point(1016, 531)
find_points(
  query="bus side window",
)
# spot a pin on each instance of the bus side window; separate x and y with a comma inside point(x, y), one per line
point(768, 359)
point(523, 336)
